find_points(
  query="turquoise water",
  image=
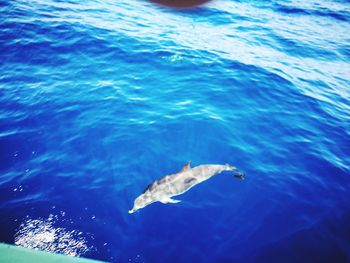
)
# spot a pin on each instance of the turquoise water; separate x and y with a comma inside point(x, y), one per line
point(100, 99)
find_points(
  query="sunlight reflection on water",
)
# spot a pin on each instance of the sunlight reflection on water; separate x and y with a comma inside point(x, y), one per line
point(41, 234)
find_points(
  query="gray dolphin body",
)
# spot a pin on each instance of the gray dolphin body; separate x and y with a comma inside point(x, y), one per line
point(175, 184)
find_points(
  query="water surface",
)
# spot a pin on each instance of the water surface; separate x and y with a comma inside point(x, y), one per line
point(100, 98)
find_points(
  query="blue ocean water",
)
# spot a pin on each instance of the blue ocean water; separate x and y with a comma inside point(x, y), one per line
point(101, 98)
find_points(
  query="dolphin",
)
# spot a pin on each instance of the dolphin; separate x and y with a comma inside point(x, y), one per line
point(175, 184)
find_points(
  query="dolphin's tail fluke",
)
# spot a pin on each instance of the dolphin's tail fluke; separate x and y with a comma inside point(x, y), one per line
point(237, 173)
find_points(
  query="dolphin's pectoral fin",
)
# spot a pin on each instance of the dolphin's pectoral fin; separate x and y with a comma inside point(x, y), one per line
point(168, 200)
point(186, 167)
point(174, 201)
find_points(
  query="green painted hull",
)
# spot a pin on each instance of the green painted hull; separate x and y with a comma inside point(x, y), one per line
point(14, 254)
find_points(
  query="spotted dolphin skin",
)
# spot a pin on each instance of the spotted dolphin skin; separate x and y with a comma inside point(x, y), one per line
point(175, 184)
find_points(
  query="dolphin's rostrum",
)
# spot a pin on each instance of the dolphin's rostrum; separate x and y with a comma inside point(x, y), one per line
point(175, 184)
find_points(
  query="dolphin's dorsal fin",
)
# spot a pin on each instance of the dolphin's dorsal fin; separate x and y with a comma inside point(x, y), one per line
point(186, 167)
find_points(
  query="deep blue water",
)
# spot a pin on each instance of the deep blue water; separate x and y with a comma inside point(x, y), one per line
point(100, 98)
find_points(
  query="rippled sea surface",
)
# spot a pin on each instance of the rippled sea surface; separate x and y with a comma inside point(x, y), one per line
point(100, 98)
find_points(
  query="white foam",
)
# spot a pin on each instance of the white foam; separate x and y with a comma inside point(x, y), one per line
point(41, 234)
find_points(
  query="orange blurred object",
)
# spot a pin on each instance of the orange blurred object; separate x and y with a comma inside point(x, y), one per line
point(181, 3)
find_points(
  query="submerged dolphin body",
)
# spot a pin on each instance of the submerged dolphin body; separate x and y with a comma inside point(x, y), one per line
point(176, 184)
